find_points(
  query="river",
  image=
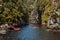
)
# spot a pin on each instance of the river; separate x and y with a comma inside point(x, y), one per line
point(31, 32)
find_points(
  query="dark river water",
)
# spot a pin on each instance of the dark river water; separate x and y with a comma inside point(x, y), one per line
point(31, 32)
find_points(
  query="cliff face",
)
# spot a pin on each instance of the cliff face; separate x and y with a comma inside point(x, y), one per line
point(33, 15)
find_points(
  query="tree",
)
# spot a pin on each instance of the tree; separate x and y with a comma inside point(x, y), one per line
point(46, 7)
point(14, 10)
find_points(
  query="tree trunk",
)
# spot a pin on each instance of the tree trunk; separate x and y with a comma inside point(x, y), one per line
point(39, 17)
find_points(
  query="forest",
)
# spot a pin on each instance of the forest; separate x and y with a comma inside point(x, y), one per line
point(16, 10)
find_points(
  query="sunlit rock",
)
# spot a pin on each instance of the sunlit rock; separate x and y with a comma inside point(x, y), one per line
point(0, 5)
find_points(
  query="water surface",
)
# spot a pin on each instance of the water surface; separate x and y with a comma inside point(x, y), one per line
point(31, 32)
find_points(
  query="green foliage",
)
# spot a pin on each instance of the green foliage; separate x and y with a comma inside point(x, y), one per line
point(48, 7)
point(13, 12)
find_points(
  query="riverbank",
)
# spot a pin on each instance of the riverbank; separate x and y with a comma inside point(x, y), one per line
point(50, 28)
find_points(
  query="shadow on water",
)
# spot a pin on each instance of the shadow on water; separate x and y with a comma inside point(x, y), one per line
point(32, 32)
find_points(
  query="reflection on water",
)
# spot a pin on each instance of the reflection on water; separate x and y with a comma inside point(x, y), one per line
point(31, 32)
